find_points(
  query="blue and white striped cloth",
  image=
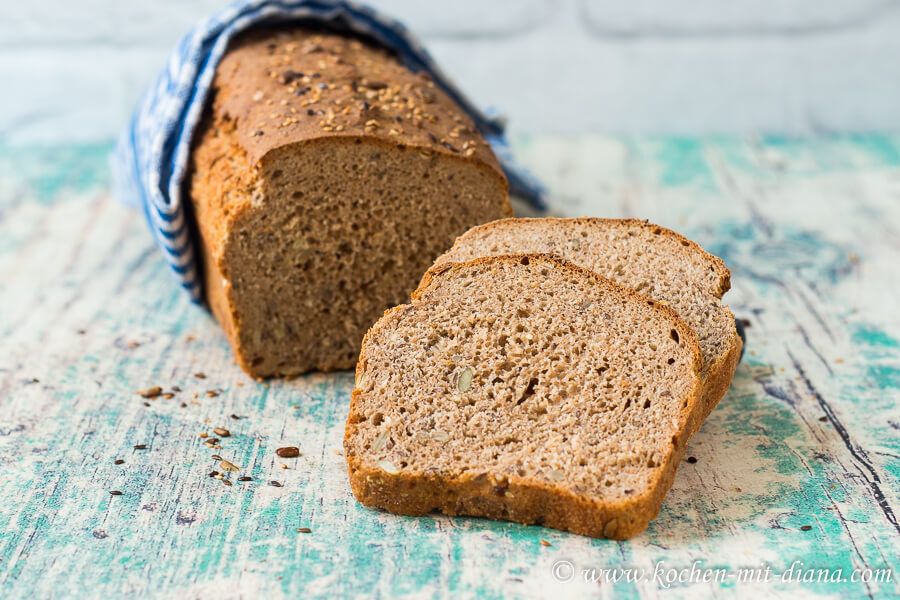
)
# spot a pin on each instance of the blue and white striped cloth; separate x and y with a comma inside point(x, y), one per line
point(151, 156)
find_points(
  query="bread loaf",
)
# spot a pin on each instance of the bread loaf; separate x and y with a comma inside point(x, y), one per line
point(650, 259)
point(326, 178)
point(528, 389)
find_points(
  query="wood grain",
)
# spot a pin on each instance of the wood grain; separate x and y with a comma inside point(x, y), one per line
point(807, 436)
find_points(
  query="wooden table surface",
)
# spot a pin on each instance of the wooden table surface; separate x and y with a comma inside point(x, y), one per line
point(800, 461)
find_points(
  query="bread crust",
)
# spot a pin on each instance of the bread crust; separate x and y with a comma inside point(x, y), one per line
point(267, 65)
point(718, 378)
point(524, 501)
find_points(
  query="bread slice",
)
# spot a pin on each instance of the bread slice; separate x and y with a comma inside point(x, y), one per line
point(650, 259)
point(528, 389)
point(326, 178)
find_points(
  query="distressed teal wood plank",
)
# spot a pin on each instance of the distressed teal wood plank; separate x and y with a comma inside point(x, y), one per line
point(808, 436)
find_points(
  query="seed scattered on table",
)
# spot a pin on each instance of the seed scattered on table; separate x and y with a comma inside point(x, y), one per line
point(692, 459)
point(211, 393)
point(216, 457)
point(288, 452)
point(545, 543)
point(823, 418)
point(245, 478)
point(235, 417)
point(140, 446)
point(151, 392)
point(115, 493)
point(304, 530)
point(176, 388)
point(118, 461)
point(274, 484)
point(222, 432)
point(806, 528)
point(228, 466)
point(200, 375)
point(214, 473)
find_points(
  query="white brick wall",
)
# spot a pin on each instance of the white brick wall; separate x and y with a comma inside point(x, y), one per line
point(74, 68)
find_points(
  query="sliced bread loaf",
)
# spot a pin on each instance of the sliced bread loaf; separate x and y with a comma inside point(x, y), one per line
point(524, 388)
point(650, 259)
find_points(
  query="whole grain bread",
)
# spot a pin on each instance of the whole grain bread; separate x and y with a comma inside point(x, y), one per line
point(650, 259)
point(524, 388)
point(326, 178)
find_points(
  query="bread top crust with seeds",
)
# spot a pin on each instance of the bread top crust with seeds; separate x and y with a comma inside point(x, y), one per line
point(287, 85)
point(437, 386)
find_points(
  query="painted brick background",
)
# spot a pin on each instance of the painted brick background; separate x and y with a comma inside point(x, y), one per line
point(73, 69)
